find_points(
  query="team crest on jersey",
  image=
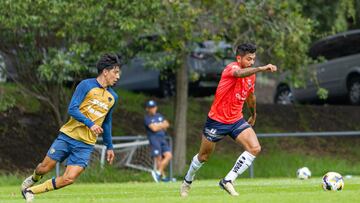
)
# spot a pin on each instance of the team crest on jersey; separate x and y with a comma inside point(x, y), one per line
point(249, 83)
point(52, 151)
point(109, 99)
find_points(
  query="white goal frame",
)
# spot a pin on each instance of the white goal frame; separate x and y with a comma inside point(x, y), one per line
point(127, 144)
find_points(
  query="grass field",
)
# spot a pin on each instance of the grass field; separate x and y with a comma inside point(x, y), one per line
point(252, 190)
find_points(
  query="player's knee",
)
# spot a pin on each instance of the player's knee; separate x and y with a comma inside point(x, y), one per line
point(255, 150)
point(203, 157)
point(42, 169)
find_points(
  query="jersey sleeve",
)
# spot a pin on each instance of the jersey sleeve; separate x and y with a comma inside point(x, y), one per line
point(107, 127)
point(78, 97)
point(229, 71)
point(147, 121)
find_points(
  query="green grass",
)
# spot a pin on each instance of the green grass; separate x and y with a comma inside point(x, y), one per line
point(275, 162)
point(9, 179)
point(251, 190)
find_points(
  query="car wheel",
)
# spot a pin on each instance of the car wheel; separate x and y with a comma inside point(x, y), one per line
point(284, 96)
point(167, 87)
point(354, 90)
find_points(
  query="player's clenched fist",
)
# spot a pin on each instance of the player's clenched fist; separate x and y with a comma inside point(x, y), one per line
point(269, 67)
point(96, 129)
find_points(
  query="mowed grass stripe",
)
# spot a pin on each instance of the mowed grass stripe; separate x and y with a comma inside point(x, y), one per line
point(254, 190)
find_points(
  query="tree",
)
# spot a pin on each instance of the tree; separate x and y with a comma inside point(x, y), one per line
point(50, 42)
point(53, 42)
point(282, 33)
point(332, 16)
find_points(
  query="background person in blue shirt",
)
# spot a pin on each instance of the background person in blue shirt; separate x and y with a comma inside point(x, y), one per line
point(156, 126)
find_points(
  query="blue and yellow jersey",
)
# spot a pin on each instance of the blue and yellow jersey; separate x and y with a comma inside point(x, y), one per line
point(90, 104)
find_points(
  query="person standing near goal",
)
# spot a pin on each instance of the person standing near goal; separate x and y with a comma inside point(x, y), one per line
point(90, 111)
point(156, 126)
point(236, 87)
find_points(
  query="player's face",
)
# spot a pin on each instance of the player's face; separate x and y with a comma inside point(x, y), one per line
point(112, 75)
point(151, 110)
point(246, 61)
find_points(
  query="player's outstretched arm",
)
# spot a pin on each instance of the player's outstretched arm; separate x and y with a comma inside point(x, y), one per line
point(245, 72)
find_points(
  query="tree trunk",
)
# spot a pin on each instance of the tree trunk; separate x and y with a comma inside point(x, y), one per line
point(180, 117)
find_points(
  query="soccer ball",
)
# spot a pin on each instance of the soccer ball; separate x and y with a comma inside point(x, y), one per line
point(303, 173)
point(332, 181)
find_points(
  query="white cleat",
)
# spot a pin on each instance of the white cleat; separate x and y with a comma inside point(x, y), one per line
point(28, 182)
point(156, 176)
point(228, 187)
point(28, 195)
point(185, 188)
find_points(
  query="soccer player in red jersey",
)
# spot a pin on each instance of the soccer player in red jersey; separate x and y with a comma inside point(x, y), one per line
point(236, 87)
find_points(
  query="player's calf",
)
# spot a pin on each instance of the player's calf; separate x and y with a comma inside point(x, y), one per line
point(194, 166)
point(242, 163)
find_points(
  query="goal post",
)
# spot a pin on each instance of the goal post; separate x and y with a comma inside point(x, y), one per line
point(130, 152)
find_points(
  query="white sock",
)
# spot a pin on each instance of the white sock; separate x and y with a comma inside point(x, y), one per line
point(241, 164)
point(194, 166)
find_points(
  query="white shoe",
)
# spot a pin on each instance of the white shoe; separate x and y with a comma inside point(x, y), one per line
point(228, 187)
point(28, 182)
point(185, 188)
point(28, 195)
point(156, 176)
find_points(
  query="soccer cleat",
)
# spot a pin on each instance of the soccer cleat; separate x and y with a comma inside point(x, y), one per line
point(156, 176)
point(28, 182)
point(165, 179)
point(185, 188)
point(228, 187)
point(28, 195)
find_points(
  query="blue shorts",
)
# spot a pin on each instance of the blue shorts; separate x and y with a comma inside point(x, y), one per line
point(76, 152)
point(158, 145)
point(215, 131)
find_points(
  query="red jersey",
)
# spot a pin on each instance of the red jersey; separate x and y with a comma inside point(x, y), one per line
point(230, 96)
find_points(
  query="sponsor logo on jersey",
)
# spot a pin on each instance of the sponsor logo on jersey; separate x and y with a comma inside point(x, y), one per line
point(249, 83)
point(99, 103)
point(95, 112)
point(240, 97)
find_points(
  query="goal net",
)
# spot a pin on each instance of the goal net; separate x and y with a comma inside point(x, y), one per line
point(130, 152)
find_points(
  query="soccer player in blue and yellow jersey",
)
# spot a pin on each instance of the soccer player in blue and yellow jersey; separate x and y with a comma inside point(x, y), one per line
point(90, 111)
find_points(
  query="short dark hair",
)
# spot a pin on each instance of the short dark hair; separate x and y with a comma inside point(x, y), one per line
point(108, 61)
point(245, 48)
